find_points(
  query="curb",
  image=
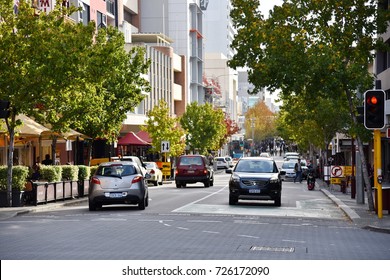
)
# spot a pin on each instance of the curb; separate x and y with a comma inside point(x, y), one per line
point(351, 214)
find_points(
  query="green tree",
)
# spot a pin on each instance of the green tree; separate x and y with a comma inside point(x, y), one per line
point(311, 48)
point(65, 74)
point(162, 127)
point(205, 127)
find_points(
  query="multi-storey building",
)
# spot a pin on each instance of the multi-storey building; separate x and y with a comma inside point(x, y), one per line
point(180, 20)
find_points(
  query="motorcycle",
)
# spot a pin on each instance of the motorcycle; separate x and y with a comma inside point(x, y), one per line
point(311, 180)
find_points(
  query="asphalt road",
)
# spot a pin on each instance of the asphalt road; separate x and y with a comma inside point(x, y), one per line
point(195, 223)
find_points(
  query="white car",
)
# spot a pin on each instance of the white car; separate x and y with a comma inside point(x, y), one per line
point(222, 162)
point(156, 175)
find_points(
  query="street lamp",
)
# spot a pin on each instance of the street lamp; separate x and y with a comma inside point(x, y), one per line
point(253, 135)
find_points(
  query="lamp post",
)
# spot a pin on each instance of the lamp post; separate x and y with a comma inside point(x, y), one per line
point(253, 135)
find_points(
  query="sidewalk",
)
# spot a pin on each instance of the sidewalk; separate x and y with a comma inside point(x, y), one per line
point(357, 213)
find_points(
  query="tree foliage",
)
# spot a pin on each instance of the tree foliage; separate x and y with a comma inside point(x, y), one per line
point(66, 74)
point(316, 50)
point(162, 127)
point(263, 121)
point(205, 127)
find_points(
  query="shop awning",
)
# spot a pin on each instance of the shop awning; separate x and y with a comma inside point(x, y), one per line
point(132, 139)
point(29, 127)
point(144, 136)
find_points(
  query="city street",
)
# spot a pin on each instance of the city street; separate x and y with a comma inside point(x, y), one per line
point(195, 223)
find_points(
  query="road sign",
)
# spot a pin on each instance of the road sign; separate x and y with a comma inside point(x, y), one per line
point(337, 171)
point(165, 147)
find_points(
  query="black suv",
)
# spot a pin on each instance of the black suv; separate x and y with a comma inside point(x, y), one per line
point(192, 169)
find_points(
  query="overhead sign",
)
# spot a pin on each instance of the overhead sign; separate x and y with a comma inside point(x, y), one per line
point(165, 147)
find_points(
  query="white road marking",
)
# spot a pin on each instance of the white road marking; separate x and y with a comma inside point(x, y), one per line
point(213, 232)
point(248, 236)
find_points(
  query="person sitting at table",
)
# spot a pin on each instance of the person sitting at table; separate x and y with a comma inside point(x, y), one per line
point(47, 160)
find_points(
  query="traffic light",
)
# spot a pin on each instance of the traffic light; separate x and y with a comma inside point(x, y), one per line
point(374, 109)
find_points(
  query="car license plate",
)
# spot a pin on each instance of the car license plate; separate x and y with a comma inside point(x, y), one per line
point(254, 191)
point(115, 195)
point(191, 171)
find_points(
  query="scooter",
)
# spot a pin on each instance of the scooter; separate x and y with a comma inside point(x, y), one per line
point(311, 181)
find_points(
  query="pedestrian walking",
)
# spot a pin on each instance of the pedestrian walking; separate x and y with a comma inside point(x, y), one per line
point(298, 171)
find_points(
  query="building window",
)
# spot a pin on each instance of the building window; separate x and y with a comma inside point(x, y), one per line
point(101, 20)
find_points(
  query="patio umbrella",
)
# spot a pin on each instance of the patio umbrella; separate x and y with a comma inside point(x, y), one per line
point(29, 127)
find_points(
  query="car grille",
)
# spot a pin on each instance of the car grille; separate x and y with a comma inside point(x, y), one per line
point(253, 182)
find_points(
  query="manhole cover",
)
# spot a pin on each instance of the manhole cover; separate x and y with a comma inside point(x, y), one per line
point(273, 249)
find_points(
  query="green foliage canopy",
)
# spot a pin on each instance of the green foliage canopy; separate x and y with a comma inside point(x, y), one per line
point(205, 127)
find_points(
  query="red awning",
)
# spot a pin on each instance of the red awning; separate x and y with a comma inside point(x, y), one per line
point(132, 139)
point(144, 136)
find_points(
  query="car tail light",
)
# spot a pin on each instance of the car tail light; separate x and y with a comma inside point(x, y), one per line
point(95, 181)
point(137, 179)
point(152, 171)
point(205, 171)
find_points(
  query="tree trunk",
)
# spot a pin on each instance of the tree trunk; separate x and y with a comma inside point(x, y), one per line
point(53, 149)
point(11, 131)
point(362, 156)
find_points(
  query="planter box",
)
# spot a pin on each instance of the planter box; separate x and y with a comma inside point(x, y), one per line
point(16, 198)
point(50, 192)
point(67, 189)
point(83, 187)
point(59, 191)
point(75, 189)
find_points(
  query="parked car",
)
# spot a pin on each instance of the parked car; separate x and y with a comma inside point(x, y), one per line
point(223, 162)
point(120, 182)
point(156, 175)
point(255, 178)
point(192, 169)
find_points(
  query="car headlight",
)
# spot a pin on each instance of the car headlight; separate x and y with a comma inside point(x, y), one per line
point(235, 179)
point(274, 180)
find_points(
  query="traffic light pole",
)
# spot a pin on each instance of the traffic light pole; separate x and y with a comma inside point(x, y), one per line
point(378, 171)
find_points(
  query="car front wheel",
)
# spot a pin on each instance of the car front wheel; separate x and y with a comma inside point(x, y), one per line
point(278, 201)
point(233, 200)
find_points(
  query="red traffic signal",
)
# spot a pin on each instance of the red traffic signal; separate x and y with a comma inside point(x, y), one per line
point(374, 109)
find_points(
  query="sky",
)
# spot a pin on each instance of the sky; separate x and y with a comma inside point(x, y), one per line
point(266, 5)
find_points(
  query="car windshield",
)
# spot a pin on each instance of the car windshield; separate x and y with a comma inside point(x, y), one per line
point(116, 170)
point(255, 166)
point(150, 165)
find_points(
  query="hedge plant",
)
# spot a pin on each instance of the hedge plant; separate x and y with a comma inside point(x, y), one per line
point(84, 172)
point(70, 172)
point(19, 177)
point(51, 173)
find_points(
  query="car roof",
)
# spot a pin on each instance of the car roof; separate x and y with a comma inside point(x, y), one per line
point(110, 163)
point(257, 158)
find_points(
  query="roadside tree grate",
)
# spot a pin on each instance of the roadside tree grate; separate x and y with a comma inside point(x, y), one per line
point(273, 249)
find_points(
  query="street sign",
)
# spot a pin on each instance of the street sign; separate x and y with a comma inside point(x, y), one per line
point(165, 147)
point(337, 171)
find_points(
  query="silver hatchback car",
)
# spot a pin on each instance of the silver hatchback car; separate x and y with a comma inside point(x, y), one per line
point(120, 182)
